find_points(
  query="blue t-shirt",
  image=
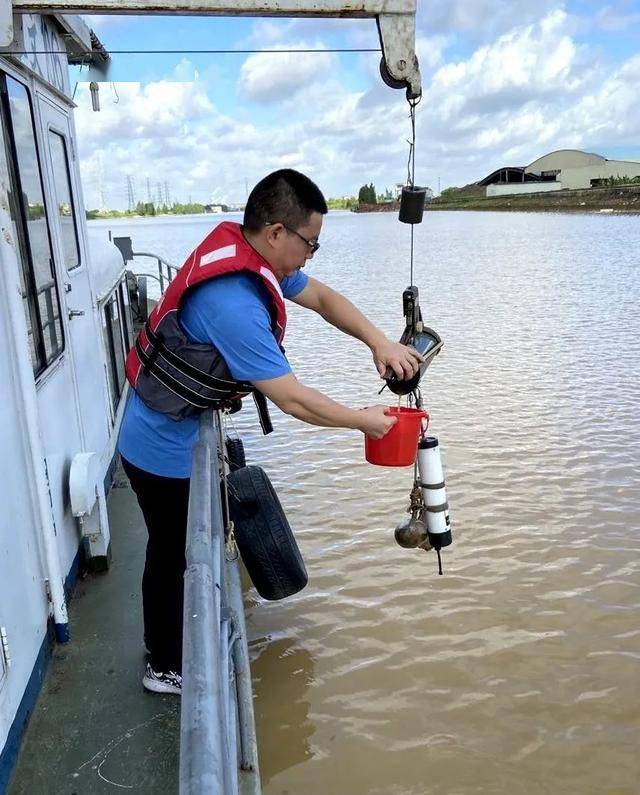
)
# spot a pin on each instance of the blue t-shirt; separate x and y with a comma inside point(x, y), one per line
point(232, 313)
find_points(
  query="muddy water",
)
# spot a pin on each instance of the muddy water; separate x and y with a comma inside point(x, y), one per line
point(518, 671)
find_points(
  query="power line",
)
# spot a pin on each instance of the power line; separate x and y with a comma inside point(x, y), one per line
point(89, 53)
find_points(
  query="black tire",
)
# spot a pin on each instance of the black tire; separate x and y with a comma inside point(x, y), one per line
point(235, 453)
point(263, 535)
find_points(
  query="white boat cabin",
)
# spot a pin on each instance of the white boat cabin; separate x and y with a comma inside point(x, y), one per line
point(64, 329)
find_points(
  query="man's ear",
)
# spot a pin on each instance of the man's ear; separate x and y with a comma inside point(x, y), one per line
point(273, 233)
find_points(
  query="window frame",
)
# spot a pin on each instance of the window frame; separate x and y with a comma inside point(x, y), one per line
point(53, 129)
point(125, 330)
point(25, 253)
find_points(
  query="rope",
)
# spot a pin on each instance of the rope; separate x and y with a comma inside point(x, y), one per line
point(230, 548)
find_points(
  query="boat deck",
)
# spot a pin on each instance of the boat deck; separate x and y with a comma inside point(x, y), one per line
point(95, 729)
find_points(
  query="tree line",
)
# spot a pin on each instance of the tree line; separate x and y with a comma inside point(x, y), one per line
point(367, 195)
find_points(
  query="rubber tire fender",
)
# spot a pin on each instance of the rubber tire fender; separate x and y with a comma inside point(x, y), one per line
point(263, 535)
point(235, 453)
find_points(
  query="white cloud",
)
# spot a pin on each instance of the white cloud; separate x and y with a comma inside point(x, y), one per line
point(162, 109)
point(183, 72)
point(616, 18)
point(430, 50)
point(102, 22)
point(269, 78)
point(533, 88)
point(539, 59)
point(480, 19)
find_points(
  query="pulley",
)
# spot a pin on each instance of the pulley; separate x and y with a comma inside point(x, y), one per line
point(394, 82)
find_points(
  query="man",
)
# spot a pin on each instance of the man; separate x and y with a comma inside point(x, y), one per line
point(216, 332)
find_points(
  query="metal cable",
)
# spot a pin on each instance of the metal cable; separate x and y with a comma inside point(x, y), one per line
point(89, 53)
point(413, 104)
point(411, 165)
point(411, 277)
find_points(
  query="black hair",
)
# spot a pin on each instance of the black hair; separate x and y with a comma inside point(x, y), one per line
point(286, 197)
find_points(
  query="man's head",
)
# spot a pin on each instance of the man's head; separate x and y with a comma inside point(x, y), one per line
point(283, 219)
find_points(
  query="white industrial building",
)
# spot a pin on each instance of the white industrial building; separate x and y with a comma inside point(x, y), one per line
point(565, 169)
point(401, 185)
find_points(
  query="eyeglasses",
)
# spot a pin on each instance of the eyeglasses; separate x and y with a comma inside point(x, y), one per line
point(313, 244)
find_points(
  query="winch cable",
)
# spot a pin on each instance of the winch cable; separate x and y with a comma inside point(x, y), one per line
point(411, 179)
point(411, 163)
point(416, 395)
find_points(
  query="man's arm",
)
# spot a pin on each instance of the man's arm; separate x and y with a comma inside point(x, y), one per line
point(311, 406)
point(341, 313)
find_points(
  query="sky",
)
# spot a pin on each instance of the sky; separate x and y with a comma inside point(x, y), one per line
point(504, 82)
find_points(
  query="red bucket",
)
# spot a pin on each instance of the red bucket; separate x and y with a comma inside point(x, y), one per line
point(398, 447)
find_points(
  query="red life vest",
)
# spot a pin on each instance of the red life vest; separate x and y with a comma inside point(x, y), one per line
point(181, 378)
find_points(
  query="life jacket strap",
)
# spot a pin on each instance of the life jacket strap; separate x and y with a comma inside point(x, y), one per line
point(205, 380)
point(173, 385)
point(229, 390)
point(263, 411)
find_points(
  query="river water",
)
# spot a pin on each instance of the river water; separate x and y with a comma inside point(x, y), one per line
point(518, 671)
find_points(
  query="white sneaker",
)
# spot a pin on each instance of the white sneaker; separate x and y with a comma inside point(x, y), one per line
point(159, 682)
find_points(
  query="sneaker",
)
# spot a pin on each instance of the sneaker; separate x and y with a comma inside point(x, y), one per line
point(158, 682)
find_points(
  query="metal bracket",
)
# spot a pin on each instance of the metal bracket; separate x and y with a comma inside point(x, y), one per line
point(396, 22)
point(399, 61)
point(6, 23)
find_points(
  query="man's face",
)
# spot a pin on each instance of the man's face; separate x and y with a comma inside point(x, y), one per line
point(287, 247)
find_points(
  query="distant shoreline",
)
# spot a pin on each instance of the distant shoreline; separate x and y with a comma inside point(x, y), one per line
point(619, 200)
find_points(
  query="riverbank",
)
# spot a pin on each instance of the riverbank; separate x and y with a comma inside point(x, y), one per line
point(391, 207)
point(619, 199)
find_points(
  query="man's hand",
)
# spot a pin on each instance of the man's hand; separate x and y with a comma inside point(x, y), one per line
point(375, 423)
point(342, 314)
point(402, 359)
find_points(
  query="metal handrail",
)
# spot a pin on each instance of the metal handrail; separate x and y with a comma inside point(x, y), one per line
point(171, 269)
point(166, 269)
point(216, 679)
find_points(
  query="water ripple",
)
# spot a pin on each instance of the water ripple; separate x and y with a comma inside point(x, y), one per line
point(517, 672)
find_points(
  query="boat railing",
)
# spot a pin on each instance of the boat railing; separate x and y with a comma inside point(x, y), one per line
point(218, 747)
point(166, 270)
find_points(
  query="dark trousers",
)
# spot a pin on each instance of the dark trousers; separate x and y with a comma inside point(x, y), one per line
point(164, 503)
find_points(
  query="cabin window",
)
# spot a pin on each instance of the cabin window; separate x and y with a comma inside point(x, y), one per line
point(30, 230)
point(116, 327)
point(64, 203)
point(125, 311)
